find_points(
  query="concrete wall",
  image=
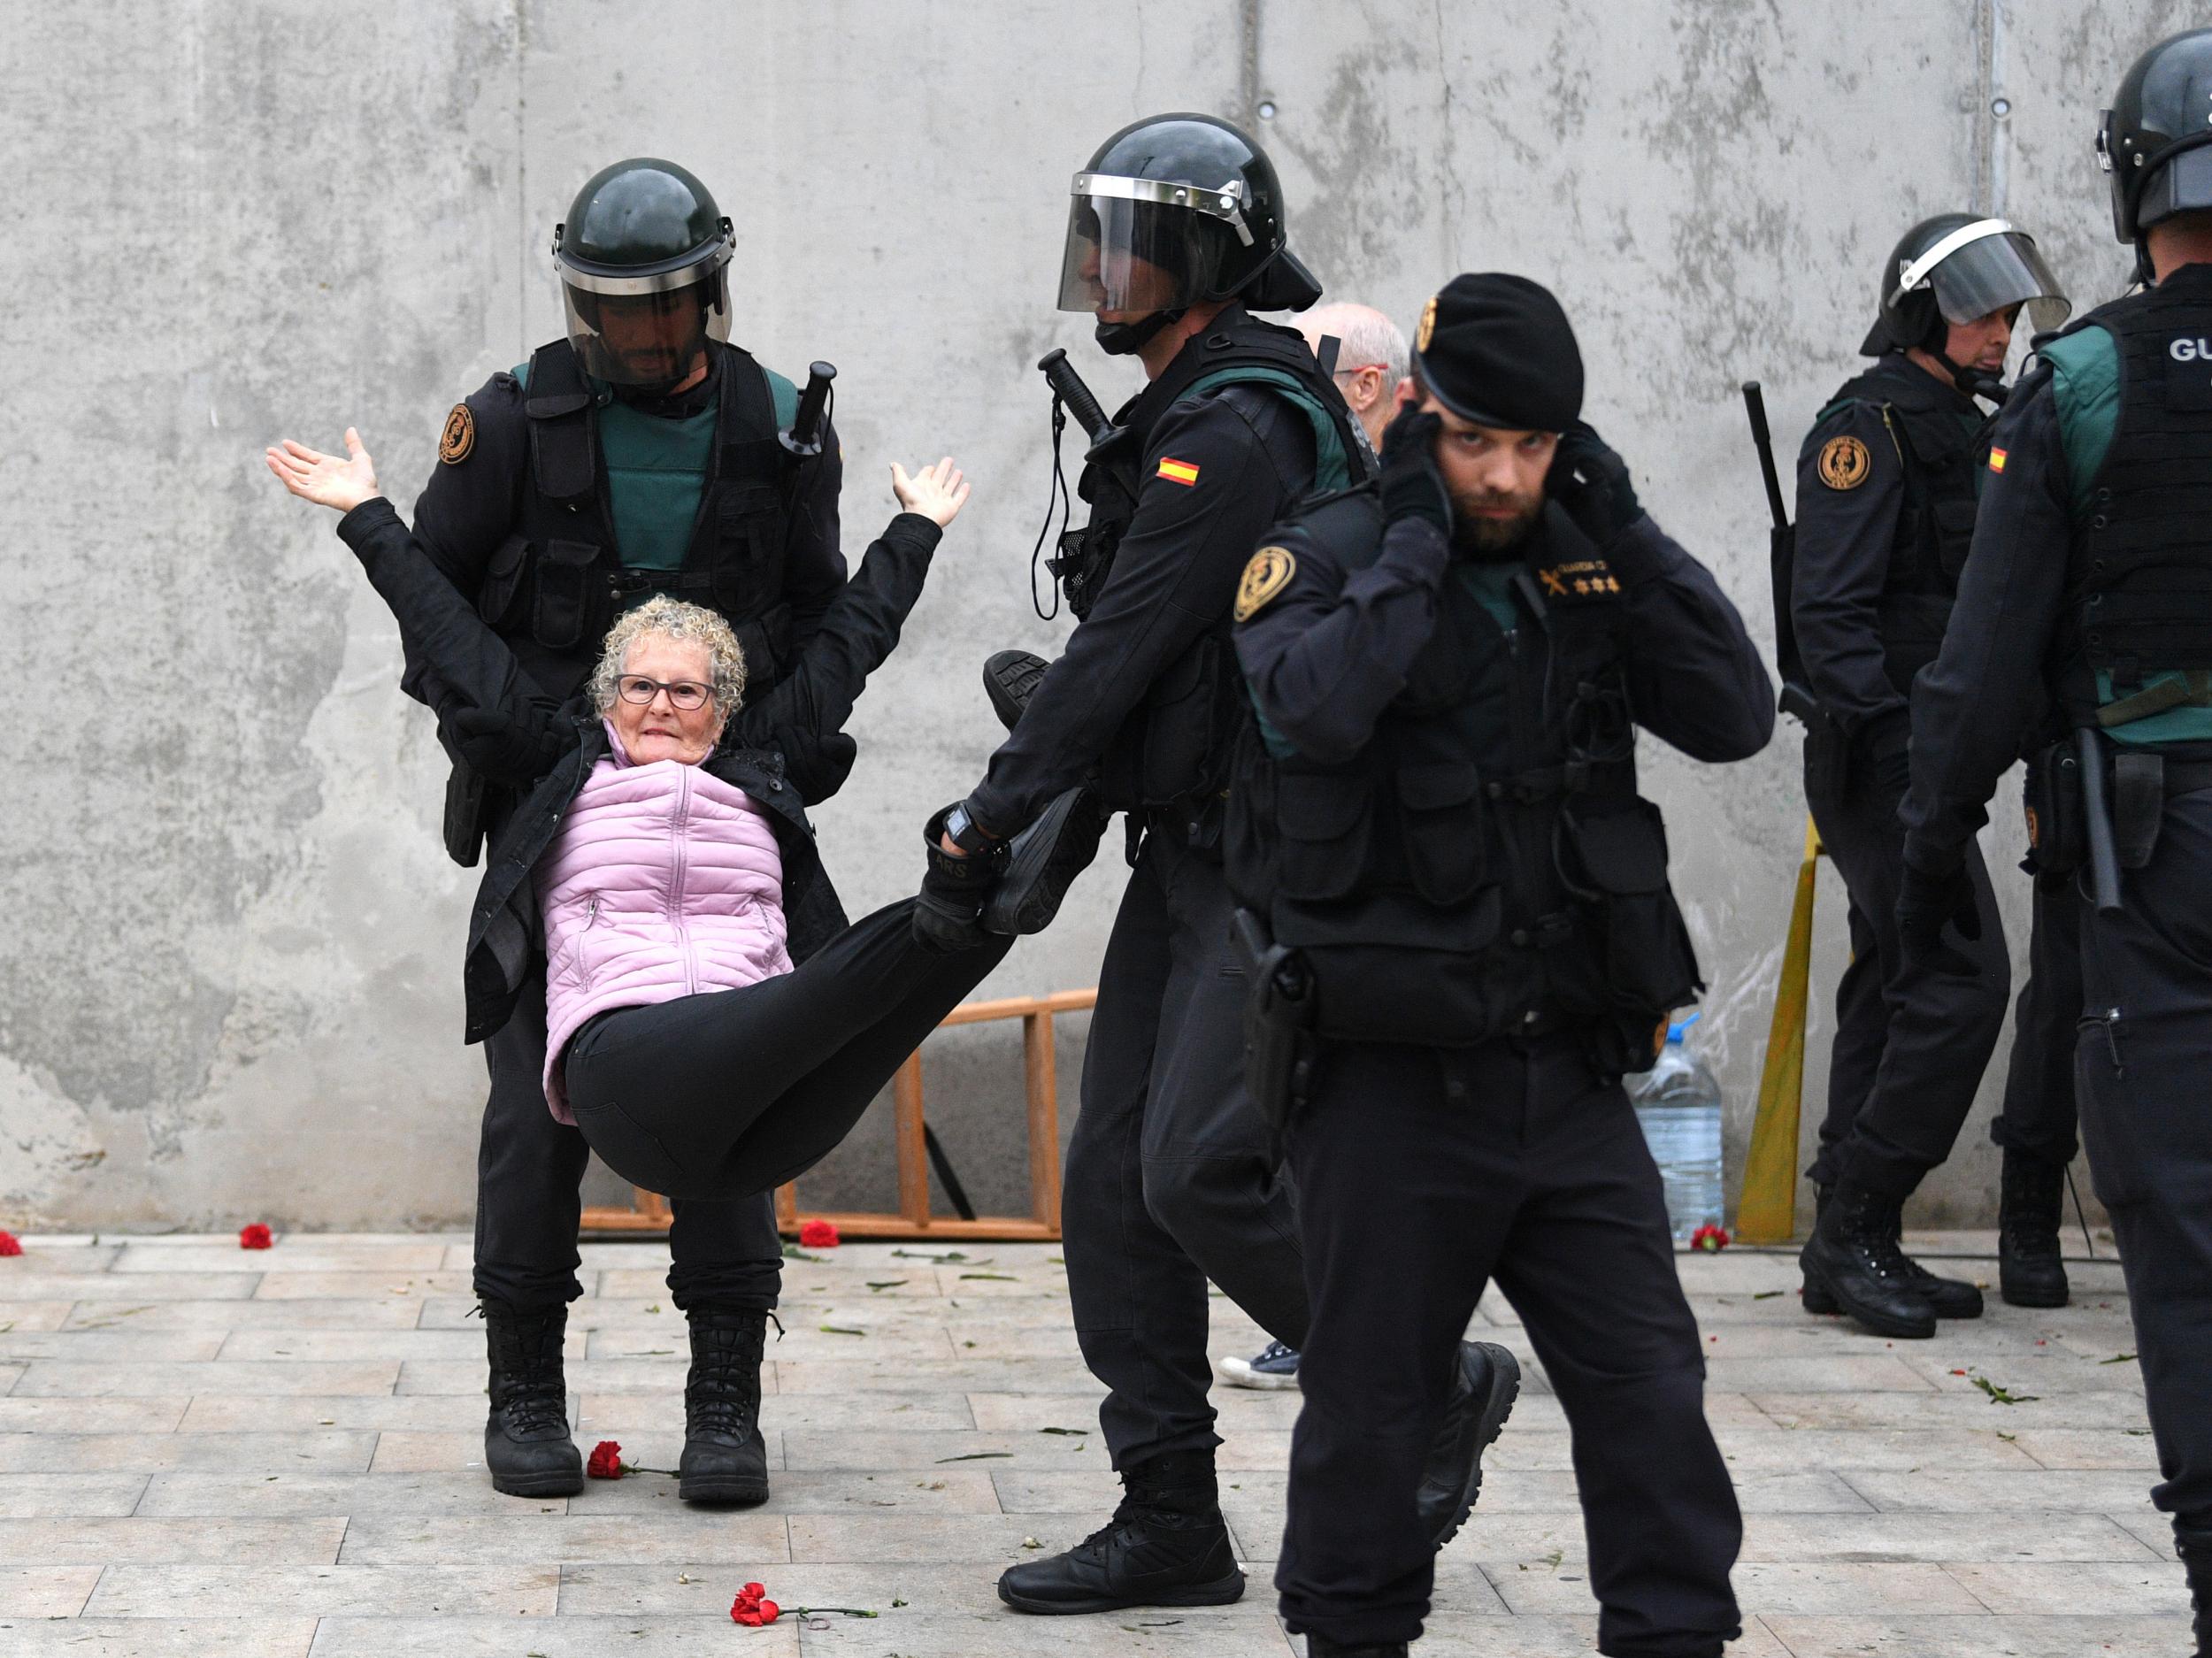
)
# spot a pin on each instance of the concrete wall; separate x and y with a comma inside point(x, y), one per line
point(229, 987)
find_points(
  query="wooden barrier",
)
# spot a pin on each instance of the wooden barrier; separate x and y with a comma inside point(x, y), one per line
point(649, 1213)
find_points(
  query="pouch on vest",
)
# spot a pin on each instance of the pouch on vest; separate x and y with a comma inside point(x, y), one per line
point(1440, 813)
point(465, 814)
point(565, 594)
point(503, 580)
point(1614, 857)
point(2138, 807)
point(2058, 836)
point(1390, 968)
point(1327, 820)
point(1954, 535)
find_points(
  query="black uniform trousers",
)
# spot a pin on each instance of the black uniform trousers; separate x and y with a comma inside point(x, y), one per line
point(1911, 1040)
point(2145, 1041)
point(1172, 1177)
point(529, 1171)
point(1422, 1173)
point(2039, 1118)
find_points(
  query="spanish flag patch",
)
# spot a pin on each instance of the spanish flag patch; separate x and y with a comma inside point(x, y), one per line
point(1996, 460)
point(1177, 471)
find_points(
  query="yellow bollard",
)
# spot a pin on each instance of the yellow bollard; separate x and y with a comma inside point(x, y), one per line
point(1766, 1212)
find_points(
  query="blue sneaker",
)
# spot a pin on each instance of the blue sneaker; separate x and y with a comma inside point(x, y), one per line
point(1274, 1366)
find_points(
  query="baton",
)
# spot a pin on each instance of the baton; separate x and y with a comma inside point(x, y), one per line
point(2104, 859)
point(805, 437)
point(1068, 387)
point(1755, 404)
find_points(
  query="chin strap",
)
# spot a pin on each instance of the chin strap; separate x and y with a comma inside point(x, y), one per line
point(1125, 339)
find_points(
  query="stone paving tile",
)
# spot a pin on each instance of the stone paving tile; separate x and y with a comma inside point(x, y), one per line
point(288, 1256)
point(36, 1496)
point(22, 1317)
point(2096, 1492)
point(92, 1415)
point(425, 1413)
point(1972, 1409)
point(52, 1252)
point(109, 1346)
point(327, 1451)
point(1808, 1449)
point(45, 1591)
point(46, 1284)
point(396, 1313)
point(1765, 1587)
point(2091, 1448)
point(357, 1285)
point(295, 1345)
point(1879, 1636)
point(62, 1380)
point(831, 1335)
point(585, 1376)
point(503, 1541)
point(965, 1374)
point(254, 1497)
point(817, 1448)
point(2152, 1530)
point(248, 1588)
point(782, 1411)
point(703, 1584)
point(1940, 1537)
point(880, 1538)
point(549, 1638)
point(2074, 1587)
point(141, 1540)
point(1235, 1632)
point(1849, 1373)
point(167, 1637)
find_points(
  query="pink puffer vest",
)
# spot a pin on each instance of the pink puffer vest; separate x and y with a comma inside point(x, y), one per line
point(662, 882)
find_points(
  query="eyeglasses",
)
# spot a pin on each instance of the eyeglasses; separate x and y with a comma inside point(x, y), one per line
point(683, 694)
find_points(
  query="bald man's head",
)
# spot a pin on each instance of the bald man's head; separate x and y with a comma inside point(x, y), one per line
point(1370, 358)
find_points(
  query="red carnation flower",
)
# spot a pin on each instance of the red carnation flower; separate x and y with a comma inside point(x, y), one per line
point(1711, 1239)
point(752, 1608)
point(254, 1237)
point(8, 1243)
point(817, 1235)
point(606, 1461)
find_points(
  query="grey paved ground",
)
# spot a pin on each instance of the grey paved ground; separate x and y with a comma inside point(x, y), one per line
point(271, 1454)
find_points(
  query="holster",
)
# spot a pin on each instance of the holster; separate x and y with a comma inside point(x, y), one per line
point(466, 813)
point(2058, 837)
point(1278, 1009)
point(2139, 805)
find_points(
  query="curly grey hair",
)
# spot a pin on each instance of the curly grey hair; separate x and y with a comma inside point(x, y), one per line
point(673, 618)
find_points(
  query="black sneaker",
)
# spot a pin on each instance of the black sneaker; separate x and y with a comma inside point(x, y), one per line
point(1009, 677)
point(1042, 862)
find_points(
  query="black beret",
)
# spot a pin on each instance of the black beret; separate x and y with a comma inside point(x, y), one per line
point(1498, 351)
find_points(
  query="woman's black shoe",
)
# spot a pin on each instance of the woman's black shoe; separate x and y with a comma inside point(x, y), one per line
point(1854, 1256)
point(527, 1442)
point(1009, 677)
point(1167, 1545)
point(724, 1459)
point(2031, 1267)
point(1042, 864)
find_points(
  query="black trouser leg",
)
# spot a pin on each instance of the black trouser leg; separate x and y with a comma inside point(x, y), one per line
point(529, 1170)
point(2146, 1034)
point(724, 1255)
point(2039, 1118)
point(1942, 1027)
point(1171, 1176)
point(732, 1093)
point(1418, 1174)
point(1855, 1056)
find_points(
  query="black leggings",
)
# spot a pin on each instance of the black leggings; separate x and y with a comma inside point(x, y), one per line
point(735, 1092)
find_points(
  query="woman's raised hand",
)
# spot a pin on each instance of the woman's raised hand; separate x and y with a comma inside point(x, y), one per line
point(937, 493)
point(328, 481)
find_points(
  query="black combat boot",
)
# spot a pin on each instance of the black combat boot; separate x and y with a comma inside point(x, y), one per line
point(724, 1459)
point(2030, 1268)
point(1167, 1545)
point(1486, 1380)
point(2194, 1547)
point(1009, 677)
point(1814, 1295)
point(1947, 1298)
point(1322, 1647)
point(1853, 1254)
point(527, 1442)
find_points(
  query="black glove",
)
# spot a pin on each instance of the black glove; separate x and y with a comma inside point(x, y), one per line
point(1925, 901)
point(1591, 481)
point(1886, 745)
point(1411, 486)
point(511, 749)
point(948, 910)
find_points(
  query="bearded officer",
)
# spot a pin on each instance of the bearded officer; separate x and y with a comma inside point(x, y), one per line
point(2091, 584)
point(1176, 236)
point(1886, 512)
point(1438, 840)
point(638, 453)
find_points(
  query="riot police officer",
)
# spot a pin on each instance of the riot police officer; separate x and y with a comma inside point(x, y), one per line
point(1175, 238)
point(2089, 582)
point(638, 453)
point(1459, 902)
point(1886, 512)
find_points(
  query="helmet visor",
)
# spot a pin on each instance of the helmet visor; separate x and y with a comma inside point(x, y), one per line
point(1989, 266)
point(1136, 245)
point(647, 339)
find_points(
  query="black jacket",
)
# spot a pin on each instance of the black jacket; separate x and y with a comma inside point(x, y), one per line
point(779, 749)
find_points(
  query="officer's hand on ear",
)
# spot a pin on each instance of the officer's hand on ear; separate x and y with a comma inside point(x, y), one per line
point(1590, 480)
point(512, 750)
point(340, 485)
point(1925, 901)
point(1411, 486)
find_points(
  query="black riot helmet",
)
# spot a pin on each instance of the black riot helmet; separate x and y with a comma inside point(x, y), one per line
point(643, 256)
point(2156, 139)
point(1173, 211)
point(1957, 267)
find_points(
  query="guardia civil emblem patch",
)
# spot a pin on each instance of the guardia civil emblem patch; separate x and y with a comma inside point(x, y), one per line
point(459, 436)
point(1267, 575)
point(1427, 330)
point(1843, 463)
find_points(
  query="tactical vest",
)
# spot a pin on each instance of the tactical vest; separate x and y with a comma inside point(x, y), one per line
point(2139, 574)
point(1939, 449)
point(1485, 866)
point(557, 584)
point(1175, 749)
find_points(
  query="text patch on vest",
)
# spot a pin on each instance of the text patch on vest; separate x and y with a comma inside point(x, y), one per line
point(1579, 579)
point(2189, 372)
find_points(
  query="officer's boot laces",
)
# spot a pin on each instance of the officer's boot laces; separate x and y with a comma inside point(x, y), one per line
point(2031, 1266)
point(724, 1458)
point(527, 1442)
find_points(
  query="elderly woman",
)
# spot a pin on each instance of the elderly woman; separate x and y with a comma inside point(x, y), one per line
point(715, 1026)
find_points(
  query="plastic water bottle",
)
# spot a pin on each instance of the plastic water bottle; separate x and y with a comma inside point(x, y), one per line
point(1678, 1103)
